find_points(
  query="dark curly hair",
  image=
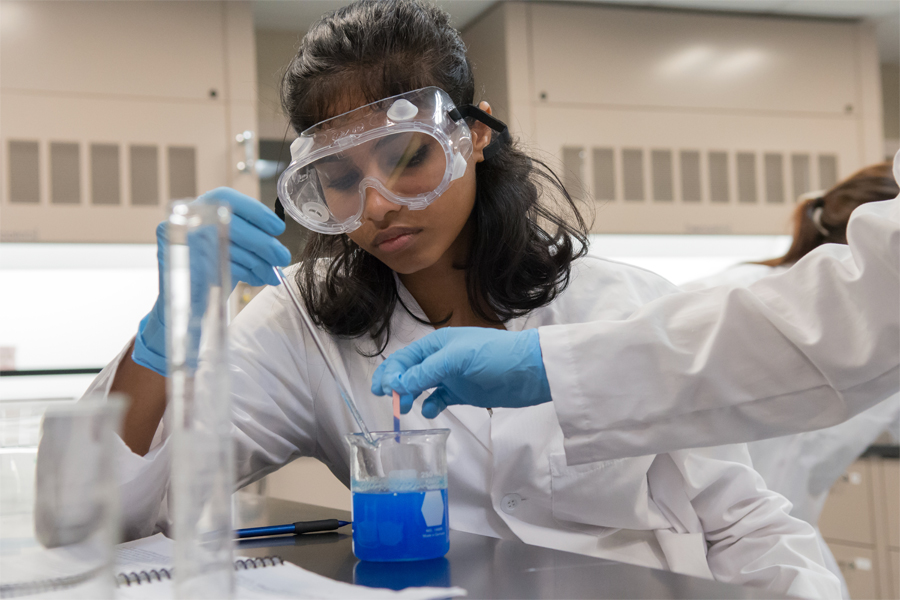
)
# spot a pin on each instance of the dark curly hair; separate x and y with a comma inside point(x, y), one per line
point(527, 230)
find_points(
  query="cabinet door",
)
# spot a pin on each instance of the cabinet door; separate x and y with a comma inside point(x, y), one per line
point(858, 568)
point(847, 515)
point(891, 471)
point(894, 557)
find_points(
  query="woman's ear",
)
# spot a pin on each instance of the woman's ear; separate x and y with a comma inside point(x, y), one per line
point(481, 135)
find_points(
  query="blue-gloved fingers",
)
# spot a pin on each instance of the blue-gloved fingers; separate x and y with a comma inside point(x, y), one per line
point(261, 271)
point(435, 404)
point(241, 273)
point(252, 211)
point(377, 386)
point(406, 403)
point(150, 344)
point(386, 376)
point(260, 243)
point(161, 238)
point(434, 369)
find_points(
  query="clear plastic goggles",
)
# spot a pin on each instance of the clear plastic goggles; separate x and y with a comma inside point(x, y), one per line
point(409, 148)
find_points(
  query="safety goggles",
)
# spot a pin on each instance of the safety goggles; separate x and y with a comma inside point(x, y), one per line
point(409, 148)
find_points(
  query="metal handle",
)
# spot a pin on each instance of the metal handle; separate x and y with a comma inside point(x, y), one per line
point(246, 140)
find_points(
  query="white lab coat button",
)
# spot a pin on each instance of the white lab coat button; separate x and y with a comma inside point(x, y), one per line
point(510, 502)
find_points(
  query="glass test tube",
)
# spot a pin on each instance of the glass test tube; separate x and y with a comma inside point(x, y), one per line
point(198, 282)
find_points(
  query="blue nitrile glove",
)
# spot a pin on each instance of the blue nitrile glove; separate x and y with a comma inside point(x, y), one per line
point(253, 251)
point(490, 368)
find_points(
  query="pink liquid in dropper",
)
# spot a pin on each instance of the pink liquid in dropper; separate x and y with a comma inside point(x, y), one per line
point(396, 398)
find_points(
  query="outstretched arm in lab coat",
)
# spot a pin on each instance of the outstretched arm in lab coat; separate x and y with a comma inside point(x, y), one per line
point(797, 351)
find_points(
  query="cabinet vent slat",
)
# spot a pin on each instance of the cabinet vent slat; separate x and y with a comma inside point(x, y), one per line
point(24, 172)
point(774, 178)
point(661, 164)
point(105, 179)
point(633, 174)
point(718, 177)
point(573, 171)
point(65, 173)
point(802, 182)
point(690, 176)
point(827, 171)
point(182, 172)
point(604, 174)
point(746, 177)
point(144, 162)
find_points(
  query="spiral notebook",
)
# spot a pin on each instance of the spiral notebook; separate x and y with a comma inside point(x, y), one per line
point(145, 564)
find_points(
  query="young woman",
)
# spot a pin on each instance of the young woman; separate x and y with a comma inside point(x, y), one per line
point(445, 223)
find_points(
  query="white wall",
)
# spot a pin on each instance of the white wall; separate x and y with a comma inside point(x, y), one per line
point(274, 51)
point(69, 306)
point(683, 258)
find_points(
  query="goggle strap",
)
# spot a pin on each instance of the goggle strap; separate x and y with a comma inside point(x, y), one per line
point(470, 110)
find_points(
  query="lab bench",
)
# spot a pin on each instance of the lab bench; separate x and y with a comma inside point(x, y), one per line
point(486, 567)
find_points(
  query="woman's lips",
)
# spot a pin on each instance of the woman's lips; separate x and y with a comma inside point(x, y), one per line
point(395, 238)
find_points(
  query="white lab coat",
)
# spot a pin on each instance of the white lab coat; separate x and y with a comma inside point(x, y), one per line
point(705, 513)
point(796, 351)
point(804, 466)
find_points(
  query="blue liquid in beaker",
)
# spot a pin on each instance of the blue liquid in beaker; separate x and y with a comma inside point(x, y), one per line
point(403, 525)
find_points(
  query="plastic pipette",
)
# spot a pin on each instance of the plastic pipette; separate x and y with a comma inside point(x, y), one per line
point(396, 399)
point(313, 331)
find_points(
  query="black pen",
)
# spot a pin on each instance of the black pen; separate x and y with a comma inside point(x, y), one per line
point(294, 528)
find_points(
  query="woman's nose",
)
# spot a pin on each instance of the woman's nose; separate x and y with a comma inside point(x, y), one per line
point(377, 206)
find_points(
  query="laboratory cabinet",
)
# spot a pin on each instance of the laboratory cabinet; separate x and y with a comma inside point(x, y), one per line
point(859, 522)
point(857, 566)
point(93, 149)
point(682, 122)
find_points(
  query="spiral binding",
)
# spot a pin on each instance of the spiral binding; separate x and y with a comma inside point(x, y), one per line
point(256, 563)
point(241, 564)
point(27, 588)
point(137, 578)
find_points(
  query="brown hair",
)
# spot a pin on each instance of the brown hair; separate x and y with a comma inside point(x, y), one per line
point(823, 220)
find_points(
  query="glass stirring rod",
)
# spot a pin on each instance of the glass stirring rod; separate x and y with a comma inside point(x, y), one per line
point(313, 331)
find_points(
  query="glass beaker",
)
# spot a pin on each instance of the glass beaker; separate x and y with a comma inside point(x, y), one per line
point(59, 517)
point(399, 490)
point(198, 282)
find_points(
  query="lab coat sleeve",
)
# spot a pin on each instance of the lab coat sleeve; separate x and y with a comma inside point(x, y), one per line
point(273, 388)
point(143, 480)
point(751, 538)
point(796, 351)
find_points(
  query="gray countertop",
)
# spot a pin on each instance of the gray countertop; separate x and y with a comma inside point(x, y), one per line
point(486, 567)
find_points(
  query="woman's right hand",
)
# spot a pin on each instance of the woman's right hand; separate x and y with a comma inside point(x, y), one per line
point(253, 252)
